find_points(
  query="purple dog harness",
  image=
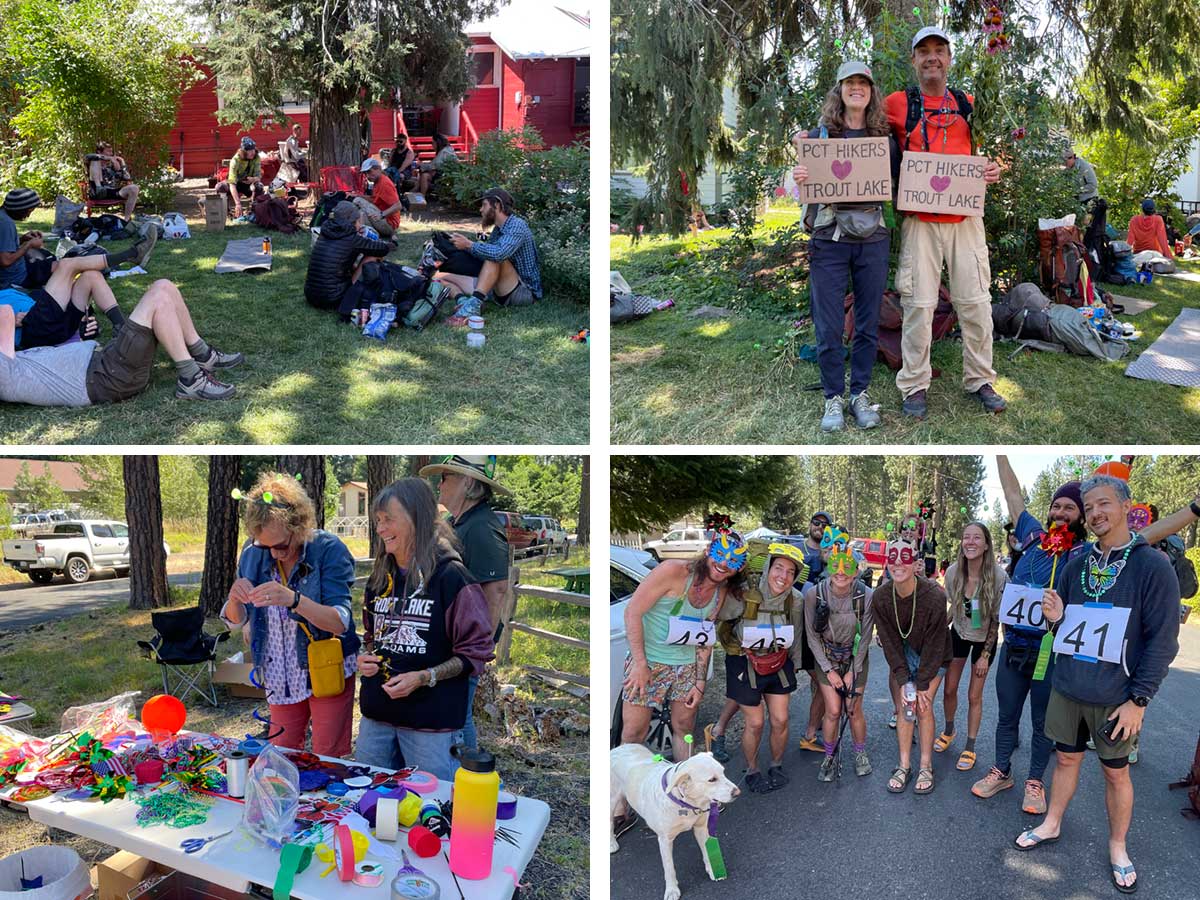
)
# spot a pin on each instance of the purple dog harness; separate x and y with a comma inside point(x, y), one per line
point(713, 811)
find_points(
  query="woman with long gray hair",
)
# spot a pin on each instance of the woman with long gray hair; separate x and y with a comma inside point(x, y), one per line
point(426, 627)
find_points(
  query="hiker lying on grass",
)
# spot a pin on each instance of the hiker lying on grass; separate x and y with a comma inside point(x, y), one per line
point(505, 263)
point(54, 314)
point(338, 257)
point(83, 373)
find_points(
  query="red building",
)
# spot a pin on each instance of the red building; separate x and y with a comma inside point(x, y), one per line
point(524, 75)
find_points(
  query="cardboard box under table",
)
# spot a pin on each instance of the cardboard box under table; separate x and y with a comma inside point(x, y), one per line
point(234, 862)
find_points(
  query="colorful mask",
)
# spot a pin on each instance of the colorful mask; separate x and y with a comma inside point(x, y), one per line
point(1139, 516)
point(842, 561)
point(834, 535)
point(728, 550)
point(901, 552)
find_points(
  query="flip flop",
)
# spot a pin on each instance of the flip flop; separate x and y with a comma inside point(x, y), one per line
point(900, 774)
point(756, 783)
point(1124, 872)
point(777, 777)
point(966, 761)
point(927, 776)
point(1030, 836)
point(943, 742)
point(622, 824)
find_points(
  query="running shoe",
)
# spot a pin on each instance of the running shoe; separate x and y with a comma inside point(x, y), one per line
point(992, 783)
point(219, 359)
point(204, 387)
point(828, 764)
point(1035, 798)
point(862, 764)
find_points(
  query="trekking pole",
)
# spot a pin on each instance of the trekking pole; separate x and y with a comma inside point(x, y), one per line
point(847, 699)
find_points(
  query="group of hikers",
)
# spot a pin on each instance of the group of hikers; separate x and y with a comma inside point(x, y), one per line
point(810, 610)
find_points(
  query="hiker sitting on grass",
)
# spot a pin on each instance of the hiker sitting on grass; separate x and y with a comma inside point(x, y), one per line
point(52, 315)
point(504, 263)
point(109, 178)
point(338, 257)
point(380, 202)
point(1149, 232)
point(22, 260)
point(245, 171)
point(83, 373)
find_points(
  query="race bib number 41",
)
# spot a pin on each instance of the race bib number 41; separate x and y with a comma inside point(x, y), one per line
point(689, 631)
point(1021, 607)
point(760, 637)
point(1092, 632)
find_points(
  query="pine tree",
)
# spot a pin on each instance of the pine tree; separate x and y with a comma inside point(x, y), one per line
point(221, 533)
point(143, 512)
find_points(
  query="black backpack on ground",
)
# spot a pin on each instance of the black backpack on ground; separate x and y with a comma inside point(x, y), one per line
point(384, 282)
point(324, 207)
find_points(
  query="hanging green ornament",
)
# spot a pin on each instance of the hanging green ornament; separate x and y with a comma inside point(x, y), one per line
point(268, 497)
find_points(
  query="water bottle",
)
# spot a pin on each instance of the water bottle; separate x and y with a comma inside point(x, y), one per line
point(473, 818)
point(910, 701)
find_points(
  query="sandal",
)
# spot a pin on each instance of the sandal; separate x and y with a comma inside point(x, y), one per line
point(943, 742)
point(777, 777)
point(1030, 836)
point(924, 777)
point(966, 761)
point(1123, 872)
point(899, 775)
point(757, 783)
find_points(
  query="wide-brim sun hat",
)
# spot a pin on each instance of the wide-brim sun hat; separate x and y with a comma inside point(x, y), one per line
point(854, 67)
point(481, 468)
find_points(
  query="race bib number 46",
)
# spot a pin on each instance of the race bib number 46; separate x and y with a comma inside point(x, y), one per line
point(1021, 607)
point(766, 639)
point(688, 630)
point(1092, 632)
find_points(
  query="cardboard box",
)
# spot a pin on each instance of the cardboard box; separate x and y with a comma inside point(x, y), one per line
point(215, 212)
point(235, 676)
point(122, 872)
point(181, 886)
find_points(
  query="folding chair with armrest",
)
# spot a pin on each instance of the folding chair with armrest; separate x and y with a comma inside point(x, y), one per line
point(184, 652)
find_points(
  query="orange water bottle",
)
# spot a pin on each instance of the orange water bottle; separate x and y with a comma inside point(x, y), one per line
point(473, 816)
point(266, 244)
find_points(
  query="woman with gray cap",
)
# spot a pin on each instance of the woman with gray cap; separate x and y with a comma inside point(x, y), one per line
point(337, 258)
point(850, 243)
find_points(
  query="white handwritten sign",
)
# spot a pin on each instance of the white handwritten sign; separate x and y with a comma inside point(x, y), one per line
point(844, 170)
point(1092, 632)
point(764, 638)
point(1021, 607)
point(940, 183)
point(685, 631)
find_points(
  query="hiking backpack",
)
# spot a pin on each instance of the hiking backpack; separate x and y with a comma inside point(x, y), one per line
point(1065, 266)
point(1185, 569)
point(916, 106)
point(324, 208)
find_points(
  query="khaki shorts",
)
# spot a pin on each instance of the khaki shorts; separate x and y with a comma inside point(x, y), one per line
point(1070, 724)
point(667, 684)
point(860, 680)
point(121, 368)
point(518, 296)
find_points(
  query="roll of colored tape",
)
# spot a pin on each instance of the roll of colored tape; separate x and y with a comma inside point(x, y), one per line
point(424, 842)
point(366, 805)
point(410, 810)
point(429, 809)
point(421, 783)
point(344, 847)
point(368, 874)
point(387, 818)
point(506, 806)
point(293, 859)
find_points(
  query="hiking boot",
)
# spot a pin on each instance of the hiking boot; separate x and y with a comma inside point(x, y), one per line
point(914, 405)
point(991, 401)
point(145, 243)
point(992, 783)
point(205, 387)
point(833, 420)
point(866, 413)
point(862, 764)
point(828, 764)
point(218, 359)
point(1035, 798)
point(720, 754)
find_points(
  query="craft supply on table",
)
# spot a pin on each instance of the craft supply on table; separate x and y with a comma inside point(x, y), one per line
point(411, 883)
point(368, 874)
point(358, 782)
point(473, 819)
point(195, 845)
point(423, 842)
point(173, 807)
point(387, 818)
point(149, 771)
point(237, 768)
point(420, 782)
point(337, 789)
point(506, 806)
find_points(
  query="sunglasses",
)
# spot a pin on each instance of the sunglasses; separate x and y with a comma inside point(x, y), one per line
point(277, 547)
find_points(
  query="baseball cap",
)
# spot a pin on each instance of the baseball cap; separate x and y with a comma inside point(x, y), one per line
point(821, 514)
point(369, 164)
point(927, 32)
point(345, 212)
point(499, 194)
point(1068, 152)
point(248, 143)
point(846, 69)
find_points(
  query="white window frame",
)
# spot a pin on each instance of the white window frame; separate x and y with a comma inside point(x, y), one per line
point(497, 64)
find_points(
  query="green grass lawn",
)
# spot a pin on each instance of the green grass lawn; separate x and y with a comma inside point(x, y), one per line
point(679, 379)
point(309, 380)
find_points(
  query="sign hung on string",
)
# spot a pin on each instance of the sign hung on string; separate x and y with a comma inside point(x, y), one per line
point(1092, 632)
point(843, 170)
point(1021, 607)
point(940, 183)
point(690, 631)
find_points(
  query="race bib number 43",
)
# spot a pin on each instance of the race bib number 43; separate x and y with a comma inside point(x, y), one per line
point(1021, 607)
point(766, 639)
point(688, 630)
point(1092, 632)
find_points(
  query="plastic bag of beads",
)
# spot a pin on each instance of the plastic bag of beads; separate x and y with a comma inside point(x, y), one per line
point(116, 714)
point(272, 798)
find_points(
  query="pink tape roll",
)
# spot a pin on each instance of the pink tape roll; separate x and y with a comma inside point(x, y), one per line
point(426, 785)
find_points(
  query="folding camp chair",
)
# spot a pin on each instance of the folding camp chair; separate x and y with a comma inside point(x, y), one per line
point(339, 178)
point(184, 652)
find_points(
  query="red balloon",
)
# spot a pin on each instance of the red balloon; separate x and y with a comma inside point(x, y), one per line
point(1115, 469)
point(163, 713)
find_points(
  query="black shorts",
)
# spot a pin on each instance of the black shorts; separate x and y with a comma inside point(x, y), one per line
point(106, 192)
point(47, 324)
point(737, 681)
point(38, 270)
point(244, 190)
point(964, 648)
point(121, 368)
point(460, 262)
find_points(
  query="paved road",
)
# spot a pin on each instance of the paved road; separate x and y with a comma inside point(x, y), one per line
point(26, 604)
point(852, 838)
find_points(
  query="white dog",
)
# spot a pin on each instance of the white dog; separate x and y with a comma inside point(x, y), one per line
point(671, 798)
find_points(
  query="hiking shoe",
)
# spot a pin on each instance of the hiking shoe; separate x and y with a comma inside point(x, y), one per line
point(992, 783)
point(218, 359)
point(862, 764)
point(892, 721)
point(833, 420)
point(205, 387)
point(866, 413)
point(991, 401)
point(145, 243)
point(720, 754)
point(828, 764)
point(914, 405)
point(1035, 798)
point(1133, 756)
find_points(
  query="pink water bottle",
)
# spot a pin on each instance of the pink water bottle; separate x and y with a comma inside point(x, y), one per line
point(473, 816)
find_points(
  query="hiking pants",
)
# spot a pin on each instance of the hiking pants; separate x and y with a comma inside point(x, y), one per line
point(832, 265)
point(962, 248)
point(374, 219)
point(1011, 690)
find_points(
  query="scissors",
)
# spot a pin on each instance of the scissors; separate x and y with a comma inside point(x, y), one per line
point(194, 845)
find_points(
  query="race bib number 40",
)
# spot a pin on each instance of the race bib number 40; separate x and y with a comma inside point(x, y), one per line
point(766, 639)
point(1092, 632)
point(690, 631)
point(1021, 607)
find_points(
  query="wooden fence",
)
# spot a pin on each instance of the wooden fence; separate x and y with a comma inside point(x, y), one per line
point(570, 682)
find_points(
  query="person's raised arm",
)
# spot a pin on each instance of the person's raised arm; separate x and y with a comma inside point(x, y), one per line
point(1011, 488)
point(1172, 524)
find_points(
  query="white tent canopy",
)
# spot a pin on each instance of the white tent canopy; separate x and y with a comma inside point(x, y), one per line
point(762, 532)
point(538, 29)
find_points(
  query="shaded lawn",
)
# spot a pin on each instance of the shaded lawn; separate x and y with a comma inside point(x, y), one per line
point(659, 362)
point(309, 380)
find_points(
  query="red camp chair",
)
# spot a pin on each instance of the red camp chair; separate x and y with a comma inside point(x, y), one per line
point(88, 203)
point(339, 178)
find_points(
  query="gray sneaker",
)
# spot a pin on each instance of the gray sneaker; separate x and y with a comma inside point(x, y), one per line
point(218, 359)
point(862, 764)
point(205, 387)
point(833, 420)
point(866, 413)
point(145, 243)
point(828, 766)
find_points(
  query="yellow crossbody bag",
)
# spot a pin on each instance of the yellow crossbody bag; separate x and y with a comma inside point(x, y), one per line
point(326, 663)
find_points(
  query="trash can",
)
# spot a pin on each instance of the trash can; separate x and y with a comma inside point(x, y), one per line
point(63, 874)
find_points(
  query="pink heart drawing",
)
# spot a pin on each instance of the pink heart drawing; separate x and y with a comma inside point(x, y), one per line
point(841, 168)
point(939, 182)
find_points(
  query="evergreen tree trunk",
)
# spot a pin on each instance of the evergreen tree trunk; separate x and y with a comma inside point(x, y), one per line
point(334, 139)
point(143, 512)
point(381, 471)
point(417, 463)
point(311, 470)
point(583, 531)
point(221, 543)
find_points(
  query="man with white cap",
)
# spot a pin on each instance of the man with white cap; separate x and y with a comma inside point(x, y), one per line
point(934, 118)
point(466, 487)
point(381, 201)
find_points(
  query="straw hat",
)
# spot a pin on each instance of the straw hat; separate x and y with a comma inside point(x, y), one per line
point(481, 468)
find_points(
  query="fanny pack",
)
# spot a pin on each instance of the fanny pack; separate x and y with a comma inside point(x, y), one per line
point(326, 664)
point(768, 663)
point(1023, 659)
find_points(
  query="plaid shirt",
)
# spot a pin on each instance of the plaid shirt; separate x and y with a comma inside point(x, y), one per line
point(513, 241)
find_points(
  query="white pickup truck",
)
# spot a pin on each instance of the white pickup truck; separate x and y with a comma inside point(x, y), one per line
point(75, 549)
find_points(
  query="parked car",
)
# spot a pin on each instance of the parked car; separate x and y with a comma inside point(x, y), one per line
point(627, 568)
point(548, 531)
point(682, 543)
point(28, 523)
point(75, 549)
point(873, 551)
point(519, 536)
